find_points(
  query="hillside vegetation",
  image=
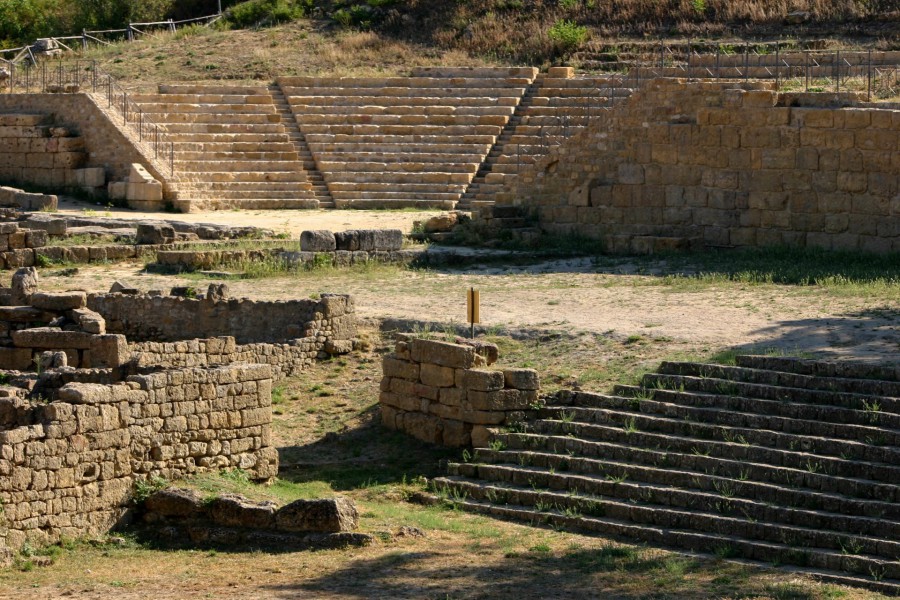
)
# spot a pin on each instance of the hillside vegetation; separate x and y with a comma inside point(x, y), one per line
point(259, 39)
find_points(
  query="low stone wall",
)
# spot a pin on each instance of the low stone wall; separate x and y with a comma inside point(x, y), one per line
point(15, 197)
point(34, 150)
point(441, 393)
point(283, 359)
point(330, 321)
point(69, 467)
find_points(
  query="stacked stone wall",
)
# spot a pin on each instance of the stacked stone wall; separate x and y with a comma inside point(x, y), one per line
point(329, 322)
point(69, 466)
point(441, 393)
point(725, 165)
point(105, 144)
point(34, 151)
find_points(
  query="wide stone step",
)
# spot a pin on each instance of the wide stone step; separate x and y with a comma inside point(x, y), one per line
point(820, 369)
point(875, 405)
point(761, 482)
point(201, 99)
point(462, 111)
point(337, 168)
point(476, 72)
point(244, 176)
point(399, 157)
point(397, 196)
point(613, 480)
point(415, 138)
point(870, 412)
point(231, 166)
point(398, 203)
point(608, 100)
point(229, 194)
point(710, 416)
point(258, 203)
point(379, 83)
point(307, 120)
point(254, 139)
point(447, 132)
point(228, 128)
point(235, 155)
point(793, 468)
point(655, 524)
point(246, 119)
point(401, 93)
point(366, 150)
point(408, 188)
point(298, 101)
point(157, 110)
point(846, 385)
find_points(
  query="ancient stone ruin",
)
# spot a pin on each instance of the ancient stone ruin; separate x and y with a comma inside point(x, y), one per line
point(104, 390)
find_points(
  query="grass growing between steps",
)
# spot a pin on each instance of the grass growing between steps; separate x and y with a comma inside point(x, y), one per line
point(326, 427)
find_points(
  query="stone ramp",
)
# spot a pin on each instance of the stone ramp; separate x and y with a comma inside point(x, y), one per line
point(777, 460)
point(231, 148)
point(412, 141)
point(556, 106)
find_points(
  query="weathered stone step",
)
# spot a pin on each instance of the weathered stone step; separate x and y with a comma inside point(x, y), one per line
point(845, 369)
point(401, 93)
point(869, 413)
point(201, 99)
point(205, 203)
point(480, 72)
point(245, 186)
point(374, 149)
point(380, 186)
point(237, 129)
point(299, 101)
point(441, 110)
point(762, 482)
point(398, 178)
point(399, 158)
point(231, 143)
point(425, 83)
point(447, 132)
point(231, 166)
point(848, 386)
point(680, 528)
point(246, 119)
point(244, 176)
point(327, 164)
point(613, 480)
point(235, 155)
point(159, 110)
point(307, 120)
point(389, 195)
point(792, 452)
point(399, 202)
point(414, 138)
point(875, 408)
point(709, 416)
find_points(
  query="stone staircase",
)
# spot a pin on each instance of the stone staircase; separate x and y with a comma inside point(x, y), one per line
point(555, 107)
point(231, 148)
point(404, 141)
point(777, 460)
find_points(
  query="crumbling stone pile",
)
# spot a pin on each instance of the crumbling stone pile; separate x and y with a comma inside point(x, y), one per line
point(182, 516)
point(34, 323)
point(442, 393)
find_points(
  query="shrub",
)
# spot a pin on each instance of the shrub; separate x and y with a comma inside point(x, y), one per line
point(267, 12)
point(567, 35)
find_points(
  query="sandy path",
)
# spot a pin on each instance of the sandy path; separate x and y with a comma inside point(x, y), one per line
point(291, 221)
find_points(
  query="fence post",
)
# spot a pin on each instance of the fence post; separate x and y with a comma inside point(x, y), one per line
point(777, 65)
point(130, 34)
point(837, 70)
point(94, 76)
point(83, 40)
point(746, 62)
point(869, 78)
point(171, 26)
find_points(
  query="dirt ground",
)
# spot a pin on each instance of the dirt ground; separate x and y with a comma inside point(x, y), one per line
point(281, 221)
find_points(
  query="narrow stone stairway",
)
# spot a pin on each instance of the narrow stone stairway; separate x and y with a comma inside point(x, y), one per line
point(777, 460)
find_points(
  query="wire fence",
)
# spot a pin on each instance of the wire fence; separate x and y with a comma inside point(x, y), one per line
point(67, 77)
point(105, 37)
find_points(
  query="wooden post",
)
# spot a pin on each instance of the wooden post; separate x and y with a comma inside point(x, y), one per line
point(473, 306)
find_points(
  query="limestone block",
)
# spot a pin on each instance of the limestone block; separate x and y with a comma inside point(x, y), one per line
point(505, 400)
point(120, 288)
point(436, 376)
point(217, 292)
point(117, 190)
point(328, 515)
point(16, 359)
point(392, 367)
point(481, 380)
point(427, 428)
point(561, 72)
point(88, 320)
point(17, 240)
point(91, 177)
point(233, 510)
point(109, 350)
point(51, 338)
point(442, 353)
point(52, 360)
point(456, 434)
point(152, 233)
point(317, 241)
point(58, 301)
point(480, 436)
point(53, 226)
point(175, 502)
point(24, 284)
point(522, 379)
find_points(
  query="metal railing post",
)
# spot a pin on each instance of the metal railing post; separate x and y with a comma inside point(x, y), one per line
point(869, 77)
point(777, 65)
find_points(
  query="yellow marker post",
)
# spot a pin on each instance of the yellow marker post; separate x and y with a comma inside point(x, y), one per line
point(473, 308)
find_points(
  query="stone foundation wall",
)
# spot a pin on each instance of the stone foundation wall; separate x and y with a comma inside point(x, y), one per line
point(33, 150)
point(68, 468)
point(441, 393)
point(725, 165)
point(329, 322)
